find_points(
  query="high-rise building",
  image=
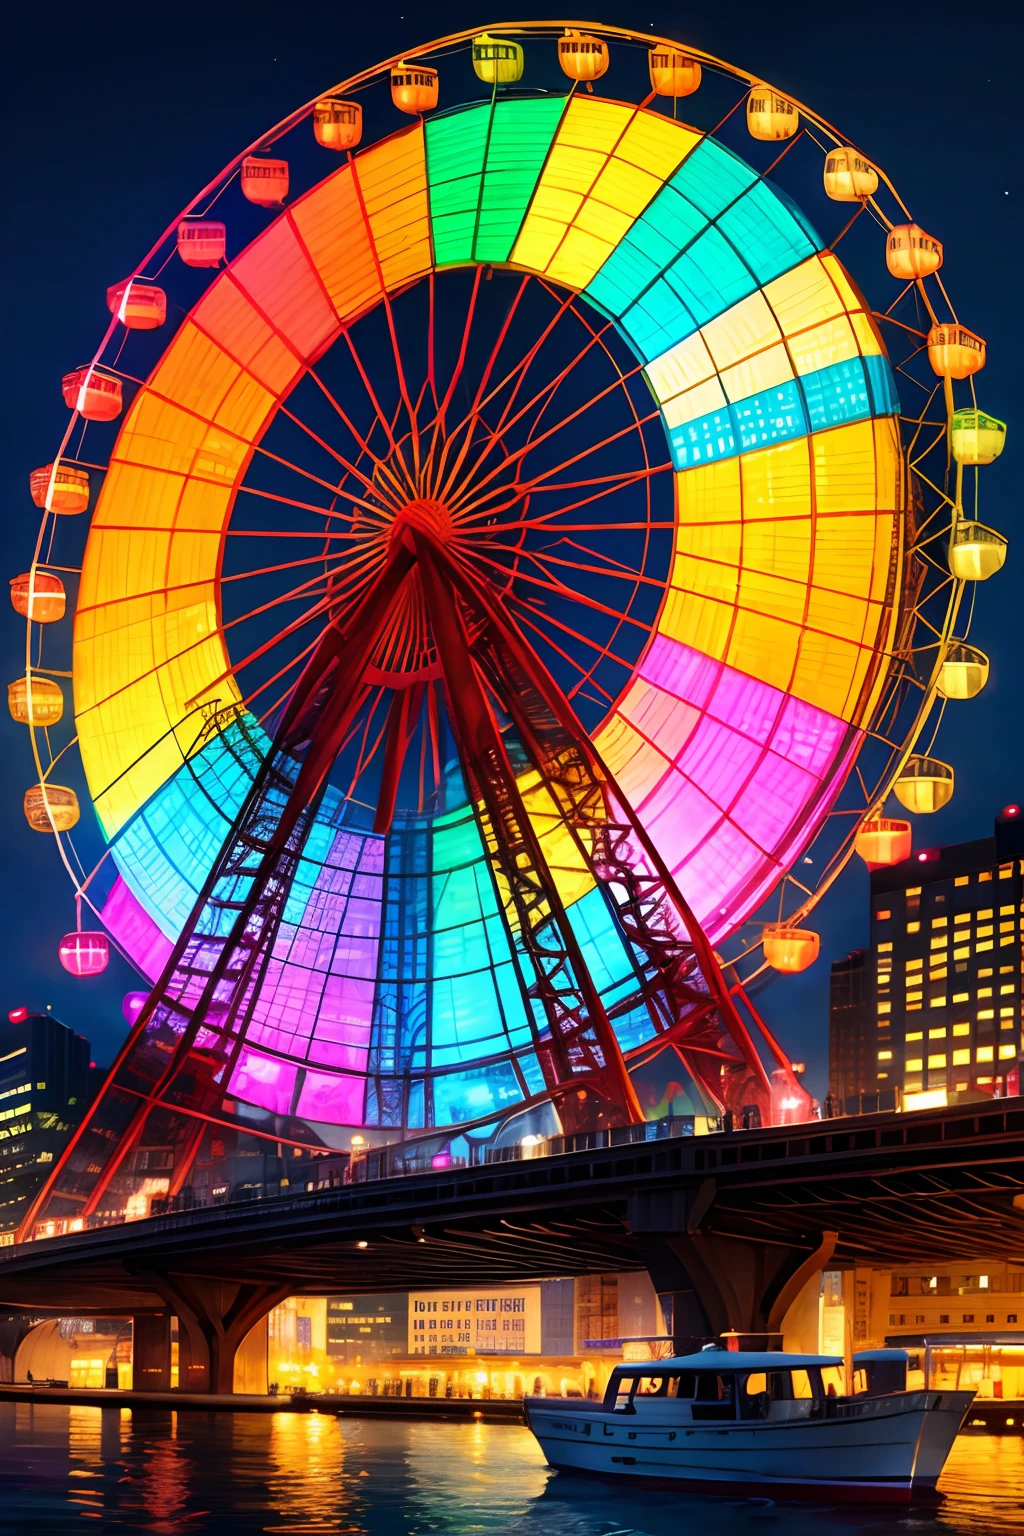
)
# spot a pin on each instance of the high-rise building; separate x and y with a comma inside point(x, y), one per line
point(851, 1030)
point(945, 960)
point(45, 1088)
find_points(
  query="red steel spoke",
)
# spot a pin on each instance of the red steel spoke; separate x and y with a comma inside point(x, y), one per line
point(520, 369)
point(386, 299)
point(437, 426)
point(563, 591)
point(339, 457)
point(519, 453)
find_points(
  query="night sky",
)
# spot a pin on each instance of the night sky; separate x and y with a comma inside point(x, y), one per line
point(117, 114)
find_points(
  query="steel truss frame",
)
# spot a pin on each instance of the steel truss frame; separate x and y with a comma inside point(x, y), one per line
point(172, 1076)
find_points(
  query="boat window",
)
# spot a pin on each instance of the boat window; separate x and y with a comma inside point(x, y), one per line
point(687, 1385)
point(714, 1397)
point(754, 1397)
point(833, 1379)
point(623, 1393)
point(712, 1388)
point(801, 1384)
point(652, 1386)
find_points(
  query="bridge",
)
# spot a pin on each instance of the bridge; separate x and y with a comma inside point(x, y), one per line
point(730, 1227)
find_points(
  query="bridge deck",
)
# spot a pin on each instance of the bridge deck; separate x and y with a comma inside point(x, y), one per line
point(932, 1185)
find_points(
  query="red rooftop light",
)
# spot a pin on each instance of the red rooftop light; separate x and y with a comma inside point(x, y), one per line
point(1011, 810)
point(928, 855)
point(18, 1015)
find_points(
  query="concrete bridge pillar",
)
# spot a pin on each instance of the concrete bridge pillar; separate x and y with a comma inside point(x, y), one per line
point(214, 1317)
point(14, 1327)
point(151, 1352)
point(709, 1283)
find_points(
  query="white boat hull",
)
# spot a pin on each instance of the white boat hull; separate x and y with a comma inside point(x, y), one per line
point(888, 1449)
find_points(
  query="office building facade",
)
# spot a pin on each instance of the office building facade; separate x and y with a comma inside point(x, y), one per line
point(45, 1088)
point(945, 968)
point(851, 1031)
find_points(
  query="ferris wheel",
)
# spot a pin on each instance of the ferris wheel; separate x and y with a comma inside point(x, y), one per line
point(505, 547)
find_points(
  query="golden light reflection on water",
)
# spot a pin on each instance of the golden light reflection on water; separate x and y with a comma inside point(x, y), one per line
point(308, 1483)
point(983, 1483)
point(474, 1465)
point(166, 1474)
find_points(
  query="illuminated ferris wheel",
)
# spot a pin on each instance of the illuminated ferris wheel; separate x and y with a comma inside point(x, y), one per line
point(513, 541)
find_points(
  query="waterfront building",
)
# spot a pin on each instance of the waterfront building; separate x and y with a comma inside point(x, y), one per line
point(851, 1030)
point(941, 978)
point(498, 1341)
point(46, 1085)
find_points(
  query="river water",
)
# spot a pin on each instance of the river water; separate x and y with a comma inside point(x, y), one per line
point(88, 1470)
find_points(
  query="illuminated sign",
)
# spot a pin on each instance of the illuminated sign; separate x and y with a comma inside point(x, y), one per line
point(504, 1322)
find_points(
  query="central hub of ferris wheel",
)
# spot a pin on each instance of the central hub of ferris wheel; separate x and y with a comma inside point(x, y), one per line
point(427, 516)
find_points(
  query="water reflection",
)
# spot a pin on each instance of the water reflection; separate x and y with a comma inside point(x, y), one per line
point(66, 1470)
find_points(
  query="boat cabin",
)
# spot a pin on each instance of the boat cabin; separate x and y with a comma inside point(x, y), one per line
point(718, 1386)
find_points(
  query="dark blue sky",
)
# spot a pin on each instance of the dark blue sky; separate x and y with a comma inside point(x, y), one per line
point(116, 114)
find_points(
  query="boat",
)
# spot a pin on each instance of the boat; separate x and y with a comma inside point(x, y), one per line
point(759, 1423)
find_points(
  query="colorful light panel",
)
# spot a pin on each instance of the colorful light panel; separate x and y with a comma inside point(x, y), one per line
point(392, 995)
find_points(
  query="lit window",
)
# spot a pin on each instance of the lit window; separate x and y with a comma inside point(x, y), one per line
point(984, 932)
point(986, 972)
point(984, 912)
point(915, 997)
point(914, 965)
point(961, 917)
point(915, 1034)
point(961, 1029)
point(1005, 871)
point(962, 954)
point(1006, 1013)
point(986, 1013)
point(1006, 911)
point(885, 1007)
point(940, 974)
point(984, 991)
point(978, 948)
point(915, 1064)
point(1007, 989)
point(913, 927)
point(939, 922)
point(885, 1055)
point(965, 879)
point(984, 1053)
point(1007, 1052)
point(936, 1061)
point(937, 1002)
point(937, 1034)
point(913, 890)
point(961, 1058)
point(881, 1075)
point(940, 941)
point(883, 916)
point(913, 1007)
point(961, 997)
point(985, 874)
point(884, 949)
